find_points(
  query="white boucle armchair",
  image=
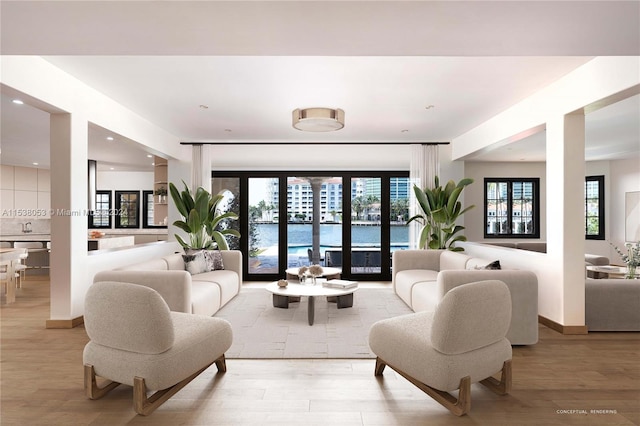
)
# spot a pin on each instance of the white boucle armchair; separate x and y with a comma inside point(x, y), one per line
point(137, 341)
point(461, 343)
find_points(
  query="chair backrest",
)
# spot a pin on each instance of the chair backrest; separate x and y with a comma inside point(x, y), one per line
point(128, 316)
point(333, 258)
point(471, 316)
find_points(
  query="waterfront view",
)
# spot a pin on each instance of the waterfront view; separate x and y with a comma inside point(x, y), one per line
point(364, 236)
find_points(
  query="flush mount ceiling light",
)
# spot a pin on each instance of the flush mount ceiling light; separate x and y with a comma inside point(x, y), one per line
point(318, 119)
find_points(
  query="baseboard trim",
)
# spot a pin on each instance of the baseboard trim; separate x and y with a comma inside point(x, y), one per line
point(65, 323)
point(564, 329)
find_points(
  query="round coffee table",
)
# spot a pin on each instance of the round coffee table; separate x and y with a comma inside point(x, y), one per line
point(281, 295)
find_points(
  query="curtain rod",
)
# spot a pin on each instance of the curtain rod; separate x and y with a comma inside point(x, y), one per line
point(313, 143)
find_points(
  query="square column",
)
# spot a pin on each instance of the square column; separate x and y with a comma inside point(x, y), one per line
point(565, 220)
point(69, 209)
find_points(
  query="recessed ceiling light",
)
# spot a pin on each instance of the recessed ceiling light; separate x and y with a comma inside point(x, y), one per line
point(111, 168)
point(149, 156)
point(153, 164)
point(17, 102)
point(109, 138)
point(35, 164)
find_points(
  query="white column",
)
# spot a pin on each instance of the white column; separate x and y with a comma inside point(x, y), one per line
point(565, 219)
point(200, 167)
point(68, 220)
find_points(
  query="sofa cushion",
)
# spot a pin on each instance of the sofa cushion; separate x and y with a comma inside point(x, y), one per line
point(214, 260)
point(205, 298)
point(149, 265)
point(453, 260)
point(424, 296)
point(195, 262)
point(405, 280)
point(228, 282)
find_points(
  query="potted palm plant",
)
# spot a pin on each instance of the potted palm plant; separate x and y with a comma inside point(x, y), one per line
point(440, 210)
point(201, 219)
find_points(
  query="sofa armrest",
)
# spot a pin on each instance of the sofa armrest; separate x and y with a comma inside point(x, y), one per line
point(516, 278)
point(403, 260)
point(173, 286)
point(232, 260)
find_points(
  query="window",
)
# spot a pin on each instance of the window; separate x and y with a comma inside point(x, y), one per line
point(512, 207)
point(594, 207)
point(101, 216)
point(127, 209)
point(148, 211)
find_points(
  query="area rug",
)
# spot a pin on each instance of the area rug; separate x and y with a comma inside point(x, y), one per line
point(261, 331)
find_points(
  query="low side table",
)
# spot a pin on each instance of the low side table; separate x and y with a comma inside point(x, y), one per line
point(282, 295)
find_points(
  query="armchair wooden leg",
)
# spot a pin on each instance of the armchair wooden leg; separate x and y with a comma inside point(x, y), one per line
point(503, 386)
point(459, 406)
point(146, 405)
point(221, 364)
point(379, 367)
point(91, 388)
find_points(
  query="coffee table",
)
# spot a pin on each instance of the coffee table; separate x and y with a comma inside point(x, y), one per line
point(612, 270)
point(281, 296)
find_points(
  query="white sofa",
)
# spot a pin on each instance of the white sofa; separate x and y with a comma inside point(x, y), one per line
point(202, 294)
point(421, 278)
point(612, 304)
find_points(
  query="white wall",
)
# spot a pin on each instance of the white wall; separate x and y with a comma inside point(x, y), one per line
point(124, 181)
point(625, 177)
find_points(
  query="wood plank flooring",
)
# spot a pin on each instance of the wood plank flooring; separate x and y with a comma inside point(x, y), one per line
point(563, 380)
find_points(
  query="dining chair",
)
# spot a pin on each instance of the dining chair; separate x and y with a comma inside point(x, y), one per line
point(32, 247)
point(8, 260)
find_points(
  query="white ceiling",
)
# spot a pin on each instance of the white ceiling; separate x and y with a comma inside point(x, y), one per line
point(402, 71)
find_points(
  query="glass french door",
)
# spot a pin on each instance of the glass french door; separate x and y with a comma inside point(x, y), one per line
point(346, 220)
point(366, 225)
point(263, 225)
point(314, 228)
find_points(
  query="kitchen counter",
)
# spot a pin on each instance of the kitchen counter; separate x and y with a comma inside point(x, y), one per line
point(109, 242)
point(27, 237)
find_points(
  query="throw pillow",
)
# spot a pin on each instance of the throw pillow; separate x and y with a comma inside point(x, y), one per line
point(214, 260)
point(493, 265)
point(195, 262)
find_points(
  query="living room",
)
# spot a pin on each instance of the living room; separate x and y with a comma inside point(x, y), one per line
point(73, 103)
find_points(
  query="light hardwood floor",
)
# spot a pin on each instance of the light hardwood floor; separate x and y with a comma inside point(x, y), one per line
point(558, 381)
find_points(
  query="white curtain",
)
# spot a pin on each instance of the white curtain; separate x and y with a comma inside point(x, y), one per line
point(200, 167)
point(425, 166)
